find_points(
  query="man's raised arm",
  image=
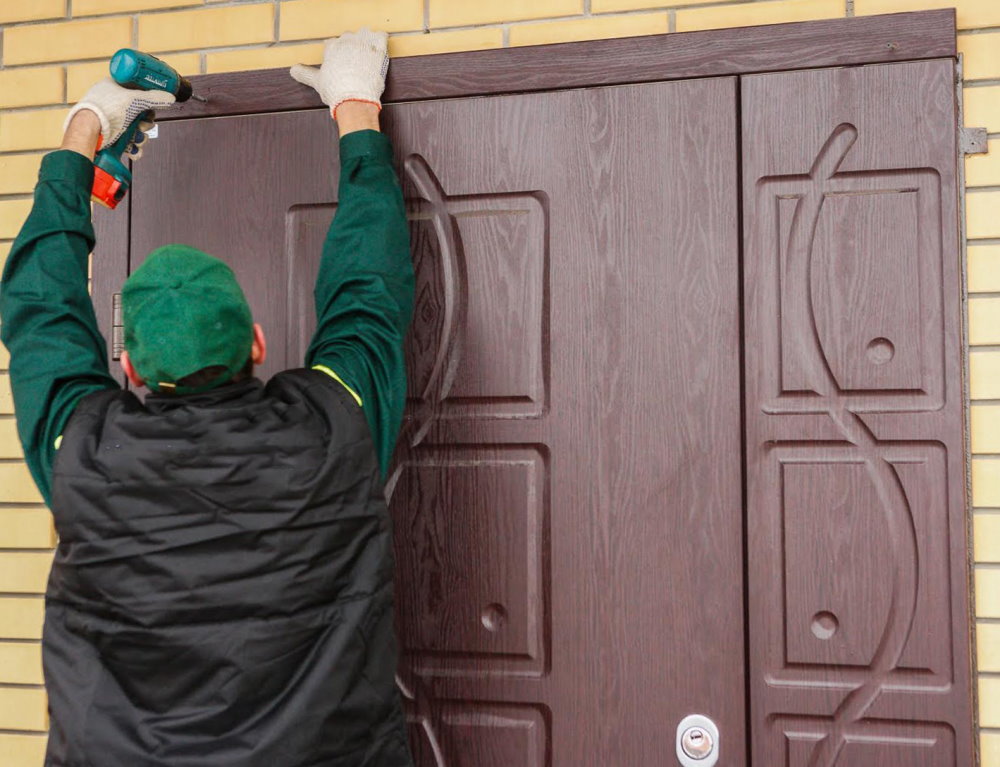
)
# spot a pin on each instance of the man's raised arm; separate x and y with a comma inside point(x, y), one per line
point(57, 354)
point(364, 290)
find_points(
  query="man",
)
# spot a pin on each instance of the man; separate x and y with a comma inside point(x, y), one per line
point(222, 590)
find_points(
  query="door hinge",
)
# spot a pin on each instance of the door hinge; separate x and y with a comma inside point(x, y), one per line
point(973, 141)
point(117, 328)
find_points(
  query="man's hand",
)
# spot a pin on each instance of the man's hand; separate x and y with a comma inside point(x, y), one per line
point(116, 107)
point(354, 67)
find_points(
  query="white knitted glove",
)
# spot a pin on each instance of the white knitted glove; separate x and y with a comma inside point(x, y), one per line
point(354, 67)
point(116, 107)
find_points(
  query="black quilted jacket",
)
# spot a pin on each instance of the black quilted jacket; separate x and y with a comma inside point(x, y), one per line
point(222, 591)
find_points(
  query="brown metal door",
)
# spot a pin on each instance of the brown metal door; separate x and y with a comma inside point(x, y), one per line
point(857, 562)
point(567, 491)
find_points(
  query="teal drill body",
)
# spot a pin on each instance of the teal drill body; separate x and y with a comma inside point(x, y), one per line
point(138, 71)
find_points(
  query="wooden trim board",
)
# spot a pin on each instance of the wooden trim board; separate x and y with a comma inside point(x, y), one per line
point(675, 56)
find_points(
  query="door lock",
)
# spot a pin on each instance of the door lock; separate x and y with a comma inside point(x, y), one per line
point(697, 741)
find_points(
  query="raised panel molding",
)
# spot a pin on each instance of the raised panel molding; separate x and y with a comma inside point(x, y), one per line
point(472, 526)
point(856, 485)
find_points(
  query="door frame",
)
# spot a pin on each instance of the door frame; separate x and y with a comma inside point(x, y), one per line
point(623, 61)
point(854, 41)
point(891, 38)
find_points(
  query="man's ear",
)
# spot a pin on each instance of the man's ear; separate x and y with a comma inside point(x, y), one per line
point(258, 351)
point(130, 371)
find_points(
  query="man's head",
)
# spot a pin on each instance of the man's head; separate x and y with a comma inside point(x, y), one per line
point(187, 323)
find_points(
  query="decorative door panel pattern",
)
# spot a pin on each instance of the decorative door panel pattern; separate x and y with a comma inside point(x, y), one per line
point(562, 261)
point(481, 267)
point(500, 245)
point(855, 473)
point(566, 495)
point(482, 563)
point(474, 735)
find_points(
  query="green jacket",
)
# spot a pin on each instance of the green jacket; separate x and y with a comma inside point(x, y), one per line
point(364, 300)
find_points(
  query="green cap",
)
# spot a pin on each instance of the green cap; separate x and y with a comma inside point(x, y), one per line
point(183, 311)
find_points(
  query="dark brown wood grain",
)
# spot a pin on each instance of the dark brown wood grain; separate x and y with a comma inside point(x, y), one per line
point(859, 608)
point(804, 45)
point(219, 185)
point(567, 489)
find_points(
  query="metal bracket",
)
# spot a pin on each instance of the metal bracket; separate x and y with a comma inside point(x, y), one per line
point(973, 141)
point(117, 327)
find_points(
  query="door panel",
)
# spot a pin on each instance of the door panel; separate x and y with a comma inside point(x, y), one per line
point(857, 561)
point(567, 490)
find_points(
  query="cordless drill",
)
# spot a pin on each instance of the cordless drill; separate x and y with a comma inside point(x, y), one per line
point(137, 71)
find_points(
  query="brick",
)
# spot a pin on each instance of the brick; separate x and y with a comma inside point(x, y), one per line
point(21, 617)
point(984, 374)
point(454, 13)
point(981, 219)
point(12, 215)
point(264, 58)
point(604, 6)
point(446, 42)
point(21, 663)
point(754, 14)
point(22, 750)
point(19, 172)
point(594, 28)
point(282, 55)
point(988, 646)
point(34, 129)
point(32, 86)
point(984, 169)
point(94, 7)
point(982, 107)
point(989, 700)
point(207, 27)
point(986, 482)
point(6, 399)
point(984, 268)
point(988, 599)
point(79, 77)
point(989, 749)
point(17, 486)
point(970, 13)
point(24, 527)
point(23, 708)
point(314, 19)
point(66, 41)
point(31, 10)
point(984, 321)
point(24, 572)
point(10, 447)
point(985, 429)
point(981, 56)
point(986, 544)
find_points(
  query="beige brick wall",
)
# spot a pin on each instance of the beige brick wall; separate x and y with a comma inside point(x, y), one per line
point(53, 49)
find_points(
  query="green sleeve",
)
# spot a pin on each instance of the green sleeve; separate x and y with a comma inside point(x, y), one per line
point(364, 290)
point(57, 354)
